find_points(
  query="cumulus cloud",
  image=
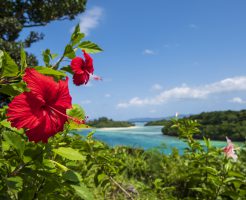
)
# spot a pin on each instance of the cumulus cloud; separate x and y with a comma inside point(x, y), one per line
point(186, 92)
point(237, 100)
point(156, 87)
point(90, 19)
point(148, 52)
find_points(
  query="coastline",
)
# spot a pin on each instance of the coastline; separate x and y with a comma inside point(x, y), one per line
point(115, 128)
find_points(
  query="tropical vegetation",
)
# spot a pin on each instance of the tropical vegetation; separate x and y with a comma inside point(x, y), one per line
point(18, 15)
point(214, 125)
point(104, 122)
point(42, 156)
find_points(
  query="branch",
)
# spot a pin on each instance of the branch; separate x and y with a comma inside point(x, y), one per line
point(18, 169)
point(44, 23)
point(122, 189)
point(33, 25)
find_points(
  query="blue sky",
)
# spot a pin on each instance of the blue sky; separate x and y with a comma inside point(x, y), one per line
point(160, 57)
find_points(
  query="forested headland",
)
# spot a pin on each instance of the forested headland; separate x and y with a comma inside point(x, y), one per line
point(214, 125)
point(104, 122)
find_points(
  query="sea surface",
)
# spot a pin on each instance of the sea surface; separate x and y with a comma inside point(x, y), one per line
point(140, 136)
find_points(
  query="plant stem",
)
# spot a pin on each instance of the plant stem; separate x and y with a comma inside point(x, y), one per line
point(55, 66)
point(119, 186)
point(38, 189)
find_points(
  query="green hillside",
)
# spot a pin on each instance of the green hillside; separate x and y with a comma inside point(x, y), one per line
point(215, 125)
point(104, 122)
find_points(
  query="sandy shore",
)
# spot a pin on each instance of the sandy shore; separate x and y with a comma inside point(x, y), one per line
point(115, 129)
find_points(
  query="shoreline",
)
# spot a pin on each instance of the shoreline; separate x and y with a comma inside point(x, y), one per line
point(115, 128)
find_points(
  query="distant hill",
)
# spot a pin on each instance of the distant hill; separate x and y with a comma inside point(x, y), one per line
point(161, 121)
point(104, 122)
point(144, 119)
point(216, 125)
point(153, 119)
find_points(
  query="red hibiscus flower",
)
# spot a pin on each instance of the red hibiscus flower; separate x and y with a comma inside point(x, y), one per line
point(83, 69)
point(42, 110)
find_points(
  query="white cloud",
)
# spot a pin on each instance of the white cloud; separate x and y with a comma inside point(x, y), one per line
point(87, 101)
point(90, 19)
point(148, 52)
point(237, 100)
point(186, 92)
point(152, 111)
point(107, 95)
point(156, 87)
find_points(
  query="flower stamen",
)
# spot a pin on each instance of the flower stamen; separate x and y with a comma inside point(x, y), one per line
point(69, 117)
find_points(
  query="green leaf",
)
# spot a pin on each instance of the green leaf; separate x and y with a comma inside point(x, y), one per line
point(197, 189)
point(9, 67)
point(5, 146)
point(71, 176)
point(76, 30)
point(69, 153)
point(210, 170)
point(13, 89)
point(7, 124)
point(46, 57)
point(89, 47)
point(77, 36)
point(54, 55)
point(15, 141)
point(67, 69)
point(237, 174)
point(100, 177)
point(76, 111)
point(64, 168)
point(69, 52)
point(90, 134)
point(14, 183)
point(23, 59)
point(83, 192)
point(49, 71)
point(1, 58)
point(9, 90)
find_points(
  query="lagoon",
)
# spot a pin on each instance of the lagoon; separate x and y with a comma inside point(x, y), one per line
point(140, 136)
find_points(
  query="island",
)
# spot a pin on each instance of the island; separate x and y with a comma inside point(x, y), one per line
point(104, 122)
point(214, 125)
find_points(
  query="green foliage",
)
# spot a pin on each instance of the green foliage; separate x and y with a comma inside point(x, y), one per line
point(69, 153)
point(103, 122)
point(72, 166)
point(90, 47)
point(8, 66)
point(17, 15)
point(214, 125)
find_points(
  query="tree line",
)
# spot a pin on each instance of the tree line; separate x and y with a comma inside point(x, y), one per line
point(214, 125)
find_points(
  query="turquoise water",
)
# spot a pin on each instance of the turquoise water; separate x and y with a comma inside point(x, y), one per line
point(146, 137)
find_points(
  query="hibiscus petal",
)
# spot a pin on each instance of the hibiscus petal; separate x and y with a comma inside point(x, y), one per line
point(51, 123)
point(64, 99)
point(79, 79)
point(42, 86)
point(77, 64)
point(24, 111)
point(88, 63)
